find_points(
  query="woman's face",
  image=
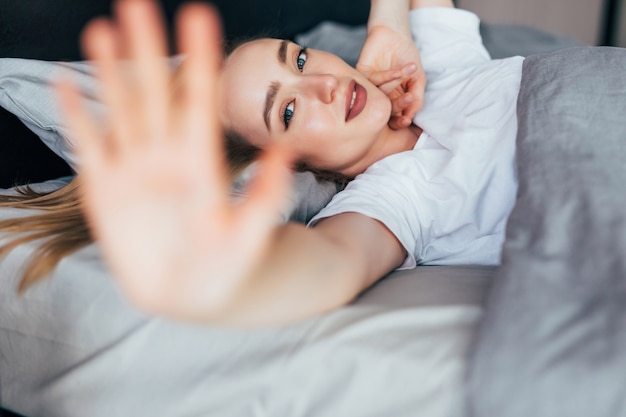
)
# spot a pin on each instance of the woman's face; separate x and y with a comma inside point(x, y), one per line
point(273, 90)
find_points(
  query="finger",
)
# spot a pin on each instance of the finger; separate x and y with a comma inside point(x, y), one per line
point(89, 146)
point(399, 104)
point(267, 194)
point(100, 44)
point(199, 37)
point(379, 78)
point(143, 30)
point(399, 122)
point(407, 73)
point(415, 87)
point(410, 111)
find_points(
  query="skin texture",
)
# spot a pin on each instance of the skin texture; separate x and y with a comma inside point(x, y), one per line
point(155, 187)
point(318, 132)
point(389, 46)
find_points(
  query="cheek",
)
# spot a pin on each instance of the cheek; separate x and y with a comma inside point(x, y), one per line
point(314, 137)
point(316, 123)
point(381, 107)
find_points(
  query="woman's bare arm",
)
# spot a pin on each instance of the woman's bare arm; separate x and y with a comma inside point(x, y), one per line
point(391, 61)
point(392, 14)
point(311, 271)
point(156, 190)
point(417, 4)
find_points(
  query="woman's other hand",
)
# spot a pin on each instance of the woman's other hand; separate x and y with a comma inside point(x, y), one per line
point(155, 181)
point(391, 60)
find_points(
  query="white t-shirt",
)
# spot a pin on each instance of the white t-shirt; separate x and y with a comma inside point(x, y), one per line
point(448, 199)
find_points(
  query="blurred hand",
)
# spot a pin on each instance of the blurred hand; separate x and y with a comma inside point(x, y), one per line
point(391, 61)
point(155, 185)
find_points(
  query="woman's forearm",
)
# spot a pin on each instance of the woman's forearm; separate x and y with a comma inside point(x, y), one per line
point(393, 14)
point(418, 4)
point(307, 272)
point(303, 275)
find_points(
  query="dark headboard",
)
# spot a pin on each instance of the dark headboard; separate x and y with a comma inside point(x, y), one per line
point(49, 30)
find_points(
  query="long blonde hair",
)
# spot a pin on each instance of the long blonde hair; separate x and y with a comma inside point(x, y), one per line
point(59, 221)
point(60, 225)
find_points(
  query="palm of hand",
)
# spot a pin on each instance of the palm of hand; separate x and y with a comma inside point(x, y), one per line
point(151, 216)
point(156, 189)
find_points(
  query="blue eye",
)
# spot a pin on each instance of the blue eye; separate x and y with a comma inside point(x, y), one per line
point(301, 59)
point(288, 114)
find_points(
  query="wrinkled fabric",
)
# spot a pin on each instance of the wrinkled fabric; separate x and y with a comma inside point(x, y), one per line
point(554, 335)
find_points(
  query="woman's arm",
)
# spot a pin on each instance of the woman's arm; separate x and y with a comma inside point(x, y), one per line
point(418, 4)
point(390, 60)
point(392, 14)
point(156, 190)
point(311, 271)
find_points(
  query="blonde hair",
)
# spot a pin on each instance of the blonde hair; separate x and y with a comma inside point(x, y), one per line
point(61, 226)
point(59, 221)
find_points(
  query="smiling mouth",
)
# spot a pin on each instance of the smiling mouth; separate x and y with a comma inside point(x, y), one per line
point(356, 97)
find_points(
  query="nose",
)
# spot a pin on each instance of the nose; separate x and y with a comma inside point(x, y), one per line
point(322, 86)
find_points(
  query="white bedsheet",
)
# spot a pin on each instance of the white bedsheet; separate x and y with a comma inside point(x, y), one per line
point(72, 346)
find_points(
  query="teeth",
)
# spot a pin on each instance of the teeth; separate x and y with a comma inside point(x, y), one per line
point(353, 99)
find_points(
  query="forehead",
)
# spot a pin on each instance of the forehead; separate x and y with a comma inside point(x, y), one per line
point(247, 74)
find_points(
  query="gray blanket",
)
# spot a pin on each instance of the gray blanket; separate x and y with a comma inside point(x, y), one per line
point(73, 347)
point(553, 342)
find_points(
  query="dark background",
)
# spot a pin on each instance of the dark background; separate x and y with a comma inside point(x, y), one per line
point(49, 30)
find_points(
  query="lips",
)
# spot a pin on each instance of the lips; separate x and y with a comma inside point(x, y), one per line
point(359, 94)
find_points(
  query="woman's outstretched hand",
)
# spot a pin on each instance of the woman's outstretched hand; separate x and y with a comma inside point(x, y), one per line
point(392, 62)
point(154, 180)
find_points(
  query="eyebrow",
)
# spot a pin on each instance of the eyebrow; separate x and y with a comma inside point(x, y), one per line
point(272, 91)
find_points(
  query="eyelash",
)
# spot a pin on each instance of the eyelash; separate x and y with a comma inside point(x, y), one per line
point(287, 113)
point(303, 51)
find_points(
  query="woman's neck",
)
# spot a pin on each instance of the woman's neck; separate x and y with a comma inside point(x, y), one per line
point(391, 142)
point(397, 141)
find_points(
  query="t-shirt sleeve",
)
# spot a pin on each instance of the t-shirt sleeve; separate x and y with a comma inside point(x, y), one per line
point(447, 37)
point(385, 197)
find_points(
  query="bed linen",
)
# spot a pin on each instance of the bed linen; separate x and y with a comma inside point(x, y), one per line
point(73, 347)
point(553, 342)
point(25, 91)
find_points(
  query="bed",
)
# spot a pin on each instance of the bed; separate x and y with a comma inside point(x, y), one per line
point(541, 335)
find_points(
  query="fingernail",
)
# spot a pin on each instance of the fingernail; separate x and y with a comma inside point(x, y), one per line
point(410, 69)
point(408, 98)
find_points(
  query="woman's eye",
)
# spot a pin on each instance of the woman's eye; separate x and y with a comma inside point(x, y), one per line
point(288, 114)
point(301, 59)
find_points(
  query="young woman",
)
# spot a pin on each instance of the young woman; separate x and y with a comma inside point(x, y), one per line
point(155, 188)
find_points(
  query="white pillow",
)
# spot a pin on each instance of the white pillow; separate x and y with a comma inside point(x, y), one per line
point(26, 91)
